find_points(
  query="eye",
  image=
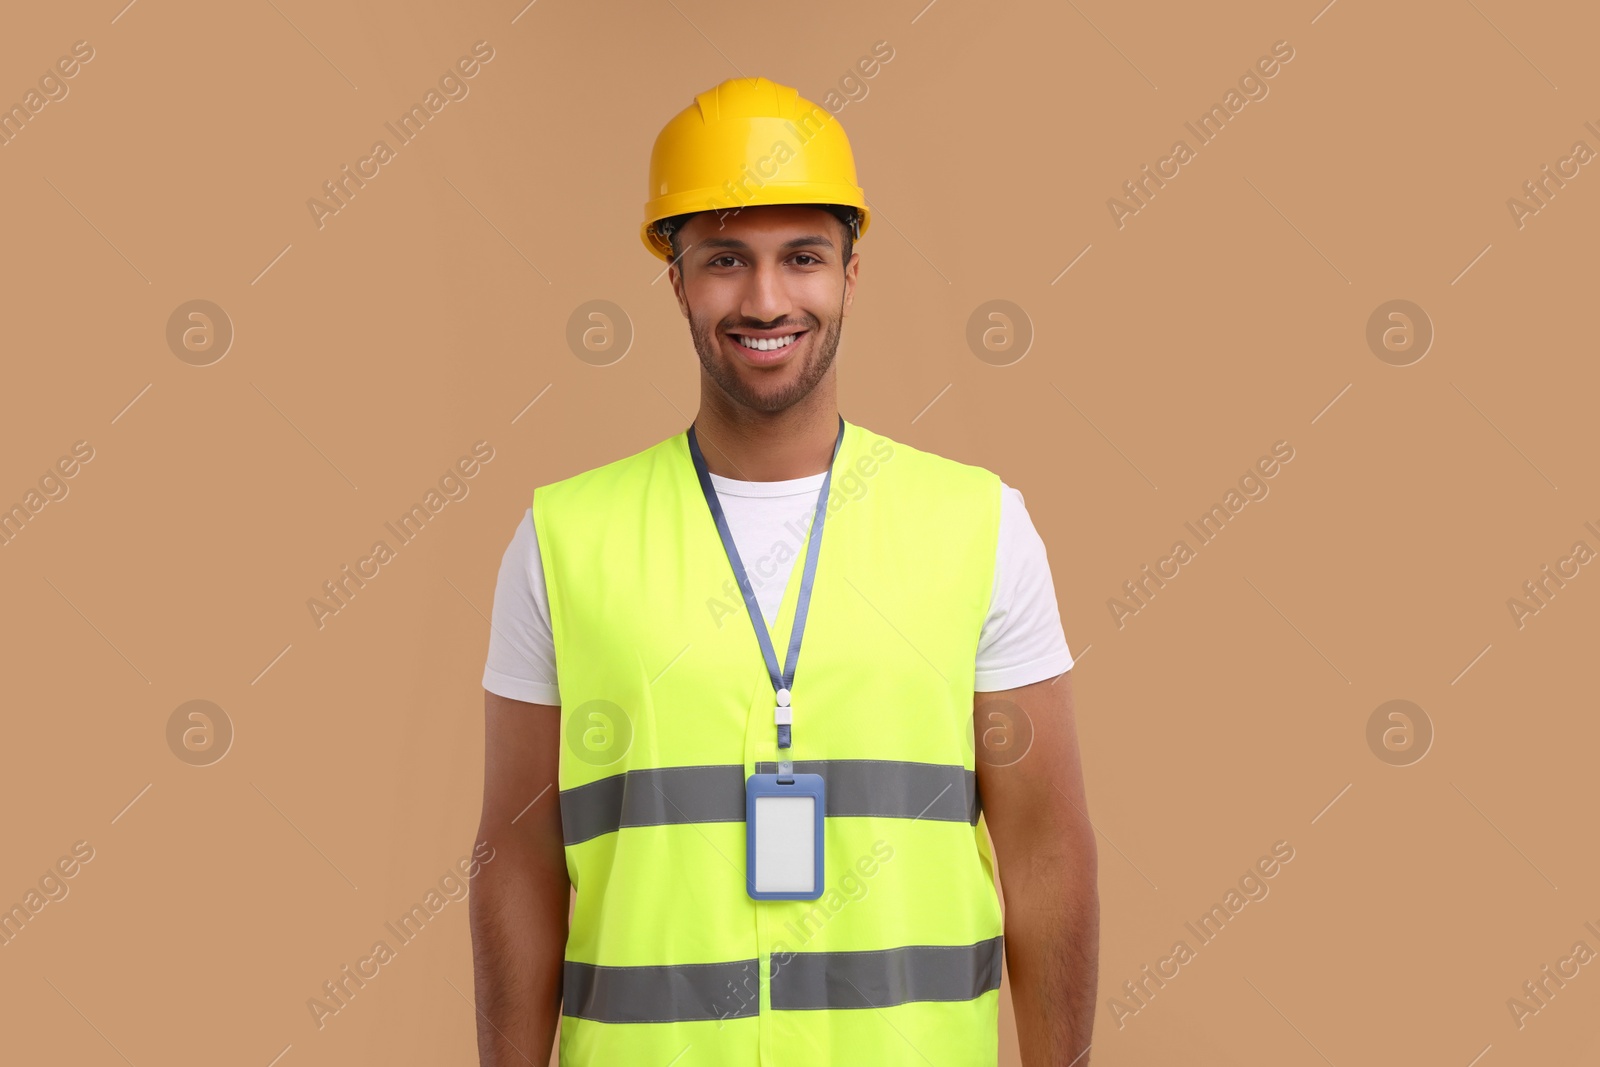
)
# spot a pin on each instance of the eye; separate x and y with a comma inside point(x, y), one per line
point(807, 255)
point(719, 259)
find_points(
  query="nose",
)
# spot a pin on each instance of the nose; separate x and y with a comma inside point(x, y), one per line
point(765, 297)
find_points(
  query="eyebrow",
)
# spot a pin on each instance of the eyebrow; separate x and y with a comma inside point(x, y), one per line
point(738, 245)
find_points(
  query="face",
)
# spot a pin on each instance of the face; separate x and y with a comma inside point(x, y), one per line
point(762, 276)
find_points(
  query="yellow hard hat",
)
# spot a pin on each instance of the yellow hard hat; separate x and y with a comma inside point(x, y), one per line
point(749, 142)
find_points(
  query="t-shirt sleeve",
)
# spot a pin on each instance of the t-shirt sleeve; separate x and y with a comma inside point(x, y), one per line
point(1022, 640)
point(522, 652)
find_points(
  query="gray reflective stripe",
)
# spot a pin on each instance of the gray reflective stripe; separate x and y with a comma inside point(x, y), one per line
point(660, 796)
point(681, 993)
point(885, 977)
point(944, 792)
point(653, 797)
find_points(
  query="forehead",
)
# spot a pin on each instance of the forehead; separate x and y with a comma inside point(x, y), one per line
point(769, 225)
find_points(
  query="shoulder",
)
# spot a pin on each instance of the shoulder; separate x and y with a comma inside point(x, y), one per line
point(1019, 536)
point(929, 469)
point(607, 479)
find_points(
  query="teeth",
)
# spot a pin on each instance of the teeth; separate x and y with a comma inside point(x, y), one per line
point(763, 344)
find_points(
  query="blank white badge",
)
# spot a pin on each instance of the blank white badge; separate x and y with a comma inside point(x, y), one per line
point(786, 844)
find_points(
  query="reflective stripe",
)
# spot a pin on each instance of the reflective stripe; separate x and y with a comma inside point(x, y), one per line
point(661, 796)
point(671, 994)
point(884, 977)
point(877, 978)
point(944, 792)
point(656, 796)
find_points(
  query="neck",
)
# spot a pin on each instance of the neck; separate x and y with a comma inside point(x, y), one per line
point(761, 446)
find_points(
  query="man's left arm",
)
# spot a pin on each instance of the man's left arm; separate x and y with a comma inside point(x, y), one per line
point(1037, 815)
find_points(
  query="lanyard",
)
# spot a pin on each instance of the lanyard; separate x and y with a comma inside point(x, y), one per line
point(782, 683)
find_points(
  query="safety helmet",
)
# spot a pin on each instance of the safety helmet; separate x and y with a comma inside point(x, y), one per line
point(746, 143)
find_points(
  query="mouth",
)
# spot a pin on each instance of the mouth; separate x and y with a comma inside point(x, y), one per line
point(764, 350)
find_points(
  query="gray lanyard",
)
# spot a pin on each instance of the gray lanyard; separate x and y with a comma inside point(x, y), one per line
point(782, 682)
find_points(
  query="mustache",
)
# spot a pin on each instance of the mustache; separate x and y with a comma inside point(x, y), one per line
point(759, 327)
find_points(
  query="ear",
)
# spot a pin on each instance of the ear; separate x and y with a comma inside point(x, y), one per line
point(851, 269)
point(675, 275)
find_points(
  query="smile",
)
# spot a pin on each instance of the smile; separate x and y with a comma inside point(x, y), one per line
point(767, 349)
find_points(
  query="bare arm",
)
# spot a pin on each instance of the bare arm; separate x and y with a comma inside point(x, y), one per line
point(1034, 806)
point(519, 903)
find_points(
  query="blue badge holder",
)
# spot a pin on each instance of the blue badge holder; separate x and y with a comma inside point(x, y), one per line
point(794, 787)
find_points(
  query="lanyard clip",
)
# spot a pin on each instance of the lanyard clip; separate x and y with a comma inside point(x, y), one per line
point(783, 717)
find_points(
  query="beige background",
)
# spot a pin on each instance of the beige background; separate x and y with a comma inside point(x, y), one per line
point(1230, 313)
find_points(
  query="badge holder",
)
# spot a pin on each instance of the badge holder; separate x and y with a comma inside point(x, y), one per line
point(783, 836)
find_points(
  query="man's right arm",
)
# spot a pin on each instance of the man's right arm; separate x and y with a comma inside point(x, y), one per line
point(519, 904)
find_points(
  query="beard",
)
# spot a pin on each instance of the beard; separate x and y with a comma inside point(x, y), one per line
point(796, 384)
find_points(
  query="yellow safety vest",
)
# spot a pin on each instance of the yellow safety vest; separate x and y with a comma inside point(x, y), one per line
point(667, 708)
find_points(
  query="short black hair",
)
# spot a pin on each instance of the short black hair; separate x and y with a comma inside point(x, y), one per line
point(673, 225)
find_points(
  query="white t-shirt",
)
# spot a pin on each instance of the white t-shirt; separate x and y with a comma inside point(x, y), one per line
point(1022, 640)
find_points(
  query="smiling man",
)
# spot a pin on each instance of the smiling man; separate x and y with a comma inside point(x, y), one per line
point(772, 860)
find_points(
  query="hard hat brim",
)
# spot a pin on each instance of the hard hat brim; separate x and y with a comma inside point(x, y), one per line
point(772, 194)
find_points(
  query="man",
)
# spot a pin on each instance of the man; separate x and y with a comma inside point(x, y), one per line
point(777, 860)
